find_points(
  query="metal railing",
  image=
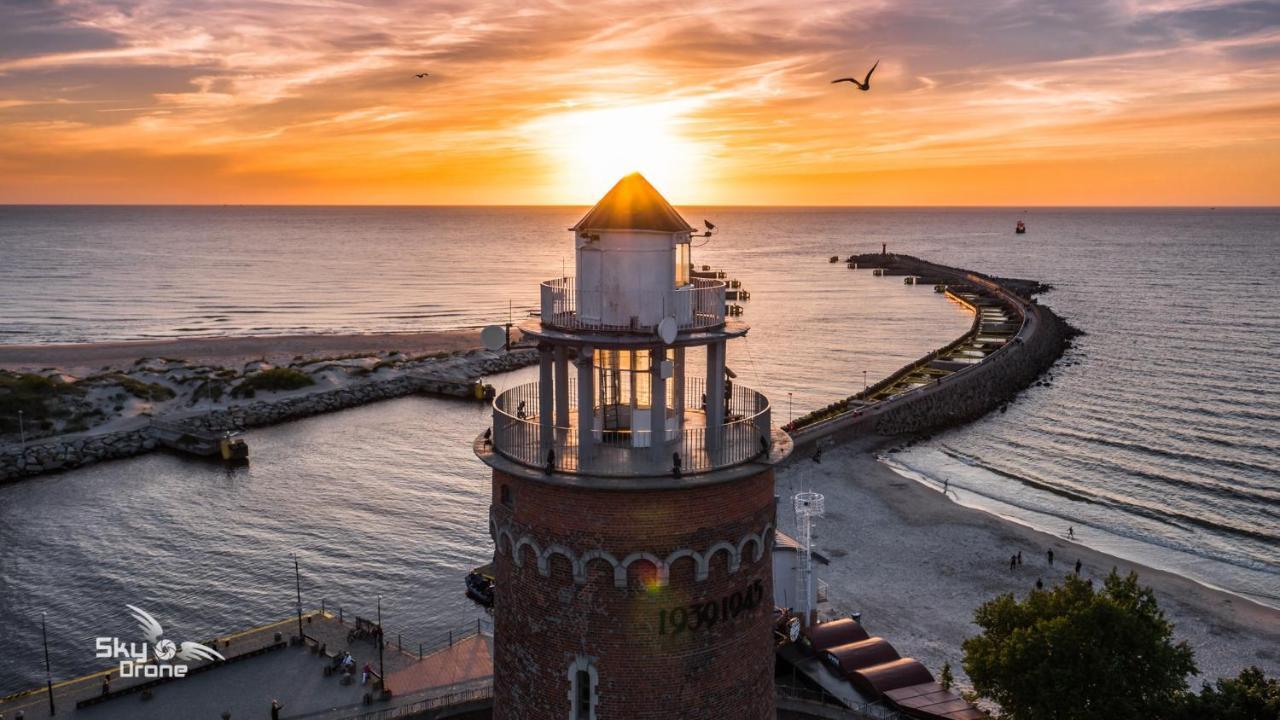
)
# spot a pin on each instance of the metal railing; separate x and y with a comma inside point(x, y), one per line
point(622, 452)
point(452, 696)
point(699, 305)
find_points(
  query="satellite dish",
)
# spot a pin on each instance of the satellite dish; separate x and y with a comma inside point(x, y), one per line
point(494, 338)
point(667, 330)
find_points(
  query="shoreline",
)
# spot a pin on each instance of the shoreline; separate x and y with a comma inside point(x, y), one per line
point(918, 564)
point(228, 349)
point(991, 506)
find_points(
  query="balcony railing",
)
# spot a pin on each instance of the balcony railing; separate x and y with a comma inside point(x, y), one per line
point(628, 452)
point(700, 305)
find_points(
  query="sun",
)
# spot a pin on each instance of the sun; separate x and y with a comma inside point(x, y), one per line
point(593, 148)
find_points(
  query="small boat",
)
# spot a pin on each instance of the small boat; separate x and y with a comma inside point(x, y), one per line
point(233, 448)
point(480, 585)
point(1020, 228)
point(834, 259)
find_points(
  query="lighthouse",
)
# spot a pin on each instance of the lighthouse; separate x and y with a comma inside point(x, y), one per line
point(632, 508)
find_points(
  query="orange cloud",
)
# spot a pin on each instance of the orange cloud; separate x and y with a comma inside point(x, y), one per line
point(1030, 102)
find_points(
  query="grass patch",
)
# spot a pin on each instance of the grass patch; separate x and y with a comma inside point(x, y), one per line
point(36, 396)
point(275, 379)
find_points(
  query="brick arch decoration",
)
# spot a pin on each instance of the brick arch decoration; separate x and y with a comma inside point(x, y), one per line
point(760, 543)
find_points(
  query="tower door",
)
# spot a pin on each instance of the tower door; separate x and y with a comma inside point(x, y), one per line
point(612, 398)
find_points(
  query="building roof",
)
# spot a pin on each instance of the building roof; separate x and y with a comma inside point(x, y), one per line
point(783, 542)
point(633, 204)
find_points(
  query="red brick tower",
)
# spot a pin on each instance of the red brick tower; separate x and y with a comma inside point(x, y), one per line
point(633, 507)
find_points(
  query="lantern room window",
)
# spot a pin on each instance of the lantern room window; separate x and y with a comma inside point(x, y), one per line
point(683, 262)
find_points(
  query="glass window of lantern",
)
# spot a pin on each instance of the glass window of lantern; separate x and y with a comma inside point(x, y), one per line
point(683, 258)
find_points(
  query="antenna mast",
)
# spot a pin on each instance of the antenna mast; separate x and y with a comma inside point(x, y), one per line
point(808, 505)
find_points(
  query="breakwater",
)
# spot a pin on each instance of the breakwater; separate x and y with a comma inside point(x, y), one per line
point(1012, 342)
point(144, 434)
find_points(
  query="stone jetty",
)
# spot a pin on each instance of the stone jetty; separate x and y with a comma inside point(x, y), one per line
point(456, 376)
point(1012, 342)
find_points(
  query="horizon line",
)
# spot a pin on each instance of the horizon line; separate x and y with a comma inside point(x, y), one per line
point(690, 204)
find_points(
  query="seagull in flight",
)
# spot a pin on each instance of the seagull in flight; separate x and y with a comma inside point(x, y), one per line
point(710, 225)
point(865, 85)
point(421, 75)
point(165, 649)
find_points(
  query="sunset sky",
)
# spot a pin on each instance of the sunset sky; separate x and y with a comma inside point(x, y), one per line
point(1016, 102)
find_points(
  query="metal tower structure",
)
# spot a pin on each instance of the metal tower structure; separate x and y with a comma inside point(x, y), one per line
point(808, 506)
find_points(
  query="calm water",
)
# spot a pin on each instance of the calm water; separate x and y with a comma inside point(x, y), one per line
point(1159, 441)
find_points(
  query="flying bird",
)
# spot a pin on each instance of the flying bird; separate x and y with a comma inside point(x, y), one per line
point(709, 224)
point(421, 75)
point(865, 85)
point(165, 649)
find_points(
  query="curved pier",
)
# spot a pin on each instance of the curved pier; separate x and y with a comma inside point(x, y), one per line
point(1012, 341)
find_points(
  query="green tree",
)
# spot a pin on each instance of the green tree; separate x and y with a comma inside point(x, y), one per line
point(1071, 653)
point(1251, 696)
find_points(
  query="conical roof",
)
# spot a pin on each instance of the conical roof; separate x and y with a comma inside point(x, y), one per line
point(633, 204)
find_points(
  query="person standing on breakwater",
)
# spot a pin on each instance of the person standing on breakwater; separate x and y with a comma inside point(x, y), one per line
point(1050, 557)
point(1078, 568)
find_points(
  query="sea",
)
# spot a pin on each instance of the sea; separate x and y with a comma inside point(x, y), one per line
point(1156, 438)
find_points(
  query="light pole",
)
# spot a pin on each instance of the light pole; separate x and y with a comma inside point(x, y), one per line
point(22, 429)
point(381, 672)
point(48, 673)
point(864, 384)
point(788, 408)
point(297, 578)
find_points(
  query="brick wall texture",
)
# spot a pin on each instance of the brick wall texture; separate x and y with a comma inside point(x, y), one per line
point(688, 648)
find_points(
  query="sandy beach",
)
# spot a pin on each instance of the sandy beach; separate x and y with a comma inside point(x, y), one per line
point(84, 358)
point(917, 564)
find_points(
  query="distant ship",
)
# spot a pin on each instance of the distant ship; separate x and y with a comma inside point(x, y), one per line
point(1021, 228)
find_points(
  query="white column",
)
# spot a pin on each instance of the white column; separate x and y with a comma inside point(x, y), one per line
point(562, 385)
point(715, 393)
point(657, 407)
point(586, 407)
point(677, 387)
point(546, 397)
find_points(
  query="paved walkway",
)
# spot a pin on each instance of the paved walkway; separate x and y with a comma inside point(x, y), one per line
point(261, 668)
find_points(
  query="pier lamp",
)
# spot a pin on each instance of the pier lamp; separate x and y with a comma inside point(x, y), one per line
point(864, 384)
point(22, 429)
point(48, 672)
point(382, 673)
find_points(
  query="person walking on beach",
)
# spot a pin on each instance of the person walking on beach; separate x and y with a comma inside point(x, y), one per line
point(1039, 584)
point(1013, 562)
point(1050, 557)
point(946, 484)
point(1071, 532)
point(1077, 568)
point(276, 707)
point(1019, 558)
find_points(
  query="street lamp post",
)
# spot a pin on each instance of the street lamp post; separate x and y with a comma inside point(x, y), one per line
point(48, 673)
point(381, 672)
point(22, 429)
point(788, 408)
point(864, 384)
point(297, 579)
